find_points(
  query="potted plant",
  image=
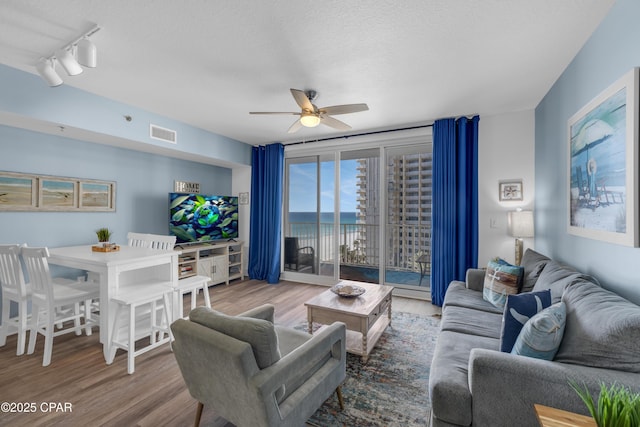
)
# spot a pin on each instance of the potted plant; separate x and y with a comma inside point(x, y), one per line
point(104, 234)
point(616, 406)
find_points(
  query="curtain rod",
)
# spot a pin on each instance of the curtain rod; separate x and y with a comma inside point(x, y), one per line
point(359, 134)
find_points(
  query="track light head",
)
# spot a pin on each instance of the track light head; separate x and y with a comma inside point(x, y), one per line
point(68, 62)
point(87, 53)
point(47, 71)
point(82, 47)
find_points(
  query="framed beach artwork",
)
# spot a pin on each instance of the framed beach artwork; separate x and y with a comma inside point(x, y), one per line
point(602, 165)
point(29, 192)
point(97, 195)
point(18, 192)
point(58, 194)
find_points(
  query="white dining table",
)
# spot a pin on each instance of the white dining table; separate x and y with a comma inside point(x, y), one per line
point(124, 268)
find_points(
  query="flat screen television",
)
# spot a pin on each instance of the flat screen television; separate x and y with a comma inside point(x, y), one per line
point(200, 217)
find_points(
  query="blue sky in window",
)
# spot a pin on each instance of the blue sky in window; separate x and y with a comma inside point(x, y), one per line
point(303, 188)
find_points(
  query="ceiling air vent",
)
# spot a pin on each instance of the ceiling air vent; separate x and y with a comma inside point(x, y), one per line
point(163, 134)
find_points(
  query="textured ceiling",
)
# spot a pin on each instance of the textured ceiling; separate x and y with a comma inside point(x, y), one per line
point(208, 63)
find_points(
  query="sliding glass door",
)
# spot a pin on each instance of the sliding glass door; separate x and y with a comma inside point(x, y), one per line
point(309, 220)
point(360, 215)
point(408, 216)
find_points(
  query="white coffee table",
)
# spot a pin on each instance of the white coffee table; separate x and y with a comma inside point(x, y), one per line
point(366, 316)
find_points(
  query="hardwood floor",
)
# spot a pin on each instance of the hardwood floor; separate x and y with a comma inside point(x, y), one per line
point(85, 391)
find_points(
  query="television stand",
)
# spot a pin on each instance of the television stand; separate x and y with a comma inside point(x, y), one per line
point(222, 261)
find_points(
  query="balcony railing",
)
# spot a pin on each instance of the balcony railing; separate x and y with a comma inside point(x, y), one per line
point(359, 244)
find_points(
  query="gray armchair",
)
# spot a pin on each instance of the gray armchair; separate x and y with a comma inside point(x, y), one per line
point(254, 373)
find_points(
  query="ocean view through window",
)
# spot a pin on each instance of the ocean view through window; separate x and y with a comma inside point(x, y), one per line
point(383, 231)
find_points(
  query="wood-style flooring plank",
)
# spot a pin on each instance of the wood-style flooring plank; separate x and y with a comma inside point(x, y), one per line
point(155, 395)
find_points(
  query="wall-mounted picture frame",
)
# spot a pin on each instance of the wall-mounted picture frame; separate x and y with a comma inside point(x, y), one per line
point(18, 192)
point(97, 195)
point(602, 169)
point(57, 194)
point(243, 198)
point(510, 191)
point(30, 192)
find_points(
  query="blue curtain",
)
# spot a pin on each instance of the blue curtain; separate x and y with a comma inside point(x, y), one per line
point(266, 212)
point(454, 229)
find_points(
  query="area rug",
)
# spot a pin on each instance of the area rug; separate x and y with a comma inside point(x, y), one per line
point(392, 388)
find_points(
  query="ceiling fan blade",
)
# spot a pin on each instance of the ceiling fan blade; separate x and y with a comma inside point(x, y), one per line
point(344, 109)
point(334, 123)
point(274, 112)
point(295, 127)
point(302, 100)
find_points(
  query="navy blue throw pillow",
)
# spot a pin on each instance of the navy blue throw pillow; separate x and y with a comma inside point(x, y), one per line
point(517, 311)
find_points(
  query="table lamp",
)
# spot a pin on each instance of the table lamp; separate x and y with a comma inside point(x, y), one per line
point(519, 225)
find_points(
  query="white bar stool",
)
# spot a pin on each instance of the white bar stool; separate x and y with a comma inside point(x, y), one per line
point(141, 324)
point(193, 285)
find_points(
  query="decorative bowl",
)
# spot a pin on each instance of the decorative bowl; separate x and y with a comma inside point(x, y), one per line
point(348, 291)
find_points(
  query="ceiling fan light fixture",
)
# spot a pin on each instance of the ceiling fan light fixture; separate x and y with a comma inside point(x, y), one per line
point(309, 120)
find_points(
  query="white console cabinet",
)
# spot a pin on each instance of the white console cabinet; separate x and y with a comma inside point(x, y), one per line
point(221, 261)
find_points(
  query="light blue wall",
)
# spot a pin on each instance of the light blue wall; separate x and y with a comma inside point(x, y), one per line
point(27, 95)
point(143, 182)
point(611, 51)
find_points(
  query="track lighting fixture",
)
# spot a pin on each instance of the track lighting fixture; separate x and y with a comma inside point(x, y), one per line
point(68, 62)
point(87, 53)
point(47, 71)
point(81, 47)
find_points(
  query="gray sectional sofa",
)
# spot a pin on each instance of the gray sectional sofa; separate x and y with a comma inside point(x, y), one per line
point(473, 383)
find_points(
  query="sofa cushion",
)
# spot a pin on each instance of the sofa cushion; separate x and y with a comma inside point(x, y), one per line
point(449, 376)
point(472, 322)
point(533, 264)
point(501, 279)
point(603, 329)
point(518, 310)
point(542, 335)
point(259, 333)
point(557, 277)
point(460, 296)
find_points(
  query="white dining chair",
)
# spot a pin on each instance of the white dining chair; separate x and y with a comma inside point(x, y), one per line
point(157, 241)
point(153, 241)
point(14, 289)
point(137, 240)
point(55, 303)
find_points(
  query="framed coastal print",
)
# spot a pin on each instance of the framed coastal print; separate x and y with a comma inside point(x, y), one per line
point(602, 170)
point(510, 191)
point(97, 195)
point(30, 192)
point(18, 192)
point(58, 194)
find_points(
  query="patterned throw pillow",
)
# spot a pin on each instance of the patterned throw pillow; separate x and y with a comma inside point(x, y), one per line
point(500, 280)
point(518, 310)
point(542, 335)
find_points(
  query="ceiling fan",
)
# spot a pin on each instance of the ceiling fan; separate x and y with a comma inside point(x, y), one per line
point(312, 116)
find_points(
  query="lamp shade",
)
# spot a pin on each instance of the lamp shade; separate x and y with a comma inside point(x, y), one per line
point(87, 53)
point(310, 120)
point(48, 73)
point(68, 62)
point(520, 224)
